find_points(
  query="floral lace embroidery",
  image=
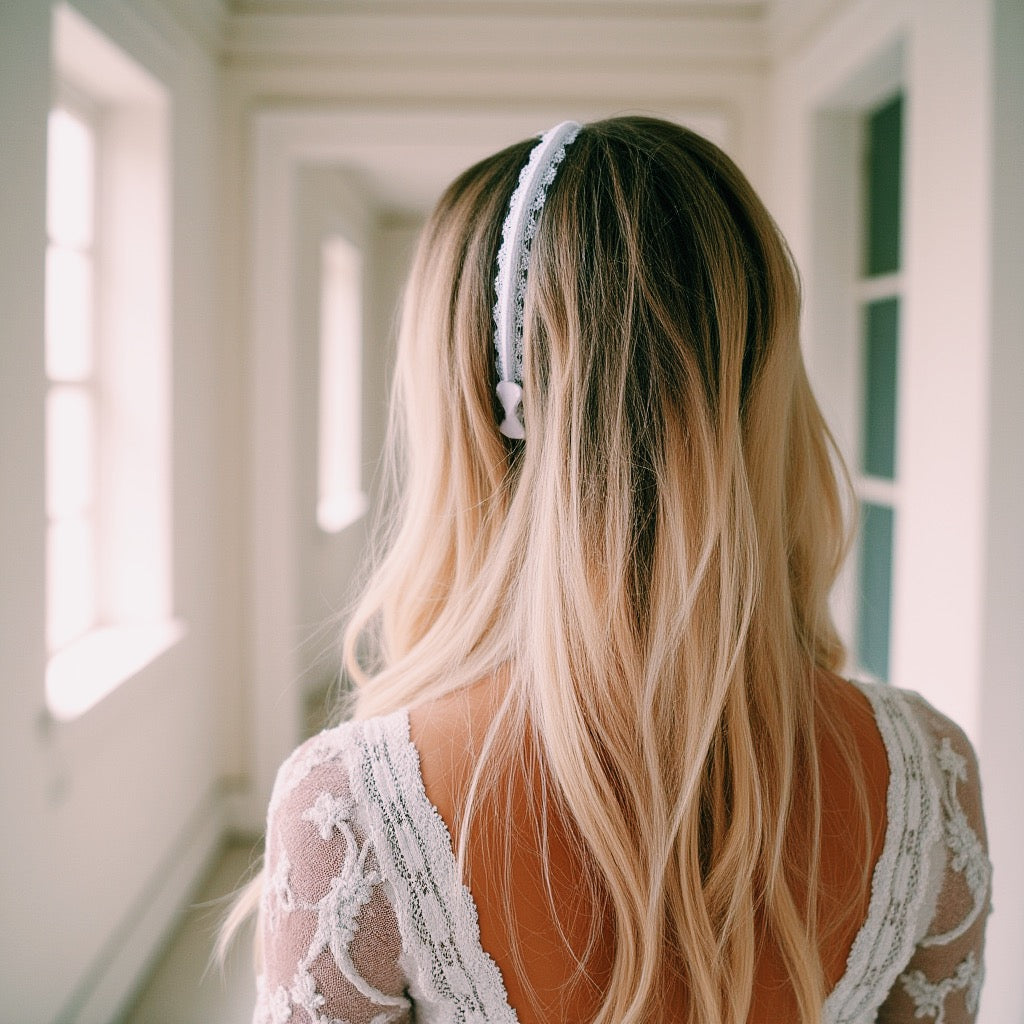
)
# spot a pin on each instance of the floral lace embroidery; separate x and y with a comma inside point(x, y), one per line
point(398, 844)
point(304, 993)
point(930, 997)
point(278, 896)
point(968, 857)
point(330, 814)
point(411, 846)
point(261, 1015)
point(322, 748)
point(886, 941)
point(280, 1006)
point(337, 912)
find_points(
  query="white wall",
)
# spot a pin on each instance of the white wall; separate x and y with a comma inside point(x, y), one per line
point(1001, 712)
point(957, 568)
point(106, 819)
point(25, 807)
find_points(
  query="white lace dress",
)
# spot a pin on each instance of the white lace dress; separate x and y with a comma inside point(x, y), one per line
point(364, 921)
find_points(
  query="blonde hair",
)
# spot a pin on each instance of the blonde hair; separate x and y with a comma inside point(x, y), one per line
point(647, 574)
point(649, 571)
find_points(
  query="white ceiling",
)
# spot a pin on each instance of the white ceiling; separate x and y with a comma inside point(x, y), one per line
point(400, 161)
point(529, 63)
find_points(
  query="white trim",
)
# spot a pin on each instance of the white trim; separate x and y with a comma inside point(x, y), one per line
point(91, 667)
point(884, 286)
point(796, 29)
point(95, 62)
point(878, 491)
point(337, 512)
point(1001, 712)
point(828, 79)
point(133, 622)
point(483, 35)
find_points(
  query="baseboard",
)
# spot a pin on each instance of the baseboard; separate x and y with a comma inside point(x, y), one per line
point(123, 965)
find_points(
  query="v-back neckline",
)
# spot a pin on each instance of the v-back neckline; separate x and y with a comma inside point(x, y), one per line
point(882, 945)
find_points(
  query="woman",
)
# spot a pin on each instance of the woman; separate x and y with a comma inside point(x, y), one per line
point(603, 695)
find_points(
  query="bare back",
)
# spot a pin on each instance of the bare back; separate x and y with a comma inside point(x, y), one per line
point(363, 916)
point(538, 941)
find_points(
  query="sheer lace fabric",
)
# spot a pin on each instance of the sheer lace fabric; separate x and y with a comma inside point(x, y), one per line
point(941, 982)
point(364, 919)
point(363, 916)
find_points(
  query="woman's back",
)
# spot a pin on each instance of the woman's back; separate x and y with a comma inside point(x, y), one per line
point(365, 916)
point(530, 932)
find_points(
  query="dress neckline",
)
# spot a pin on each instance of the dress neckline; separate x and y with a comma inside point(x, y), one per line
point(886, 939)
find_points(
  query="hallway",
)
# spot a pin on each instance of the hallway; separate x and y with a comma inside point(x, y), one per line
point(184, 987)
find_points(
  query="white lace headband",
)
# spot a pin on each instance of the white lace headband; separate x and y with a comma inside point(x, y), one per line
point(513, 258)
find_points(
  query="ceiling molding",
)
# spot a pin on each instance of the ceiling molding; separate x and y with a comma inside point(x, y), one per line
point(518, 37)
point(403, 157)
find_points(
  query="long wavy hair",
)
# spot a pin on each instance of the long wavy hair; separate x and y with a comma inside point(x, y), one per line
point(648, 572)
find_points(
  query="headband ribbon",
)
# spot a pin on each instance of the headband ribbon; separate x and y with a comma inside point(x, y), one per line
point(513, 259)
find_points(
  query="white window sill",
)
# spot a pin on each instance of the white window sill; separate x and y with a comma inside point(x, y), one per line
point(83, 673)
point(337, 511)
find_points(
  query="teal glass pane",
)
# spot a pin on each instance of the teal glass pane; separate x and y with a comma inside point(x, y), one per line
point(881, 352)
point(875, 592)
point(884, 148)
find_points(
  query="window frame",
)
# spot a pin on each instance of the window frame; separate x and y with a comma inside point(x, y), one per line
point(873, 490)
point(131, 377)
point(87, 111)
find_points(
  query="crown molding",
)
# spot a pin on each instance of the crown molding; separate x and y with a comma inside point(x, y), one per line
point(521, 36)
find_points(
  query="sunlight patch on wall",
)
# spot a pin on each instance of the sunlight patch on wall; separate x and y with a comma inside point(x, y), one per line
point(341, 498)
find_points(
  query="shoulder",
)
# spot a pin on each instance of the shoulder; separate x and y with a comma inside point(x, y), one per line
point(331, 944)
point(943, 742)
point(322, 776)
point(936, 779)
point(943, 735)
point(948, 767)
point(931, 883)
point(894, 707)
point(323, 757)
point(449, 734)
point(927, 746)
point(958, 777)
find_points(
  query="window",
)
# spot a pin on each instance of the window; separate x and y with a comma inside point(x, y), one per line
point(72, 394)
point(879, 291)
point(107, 338)
point(341, 500)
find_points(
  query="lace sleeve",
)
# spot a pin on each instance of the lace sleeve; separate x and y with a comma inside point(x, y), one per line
point(942, 982)
point(330, 939)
